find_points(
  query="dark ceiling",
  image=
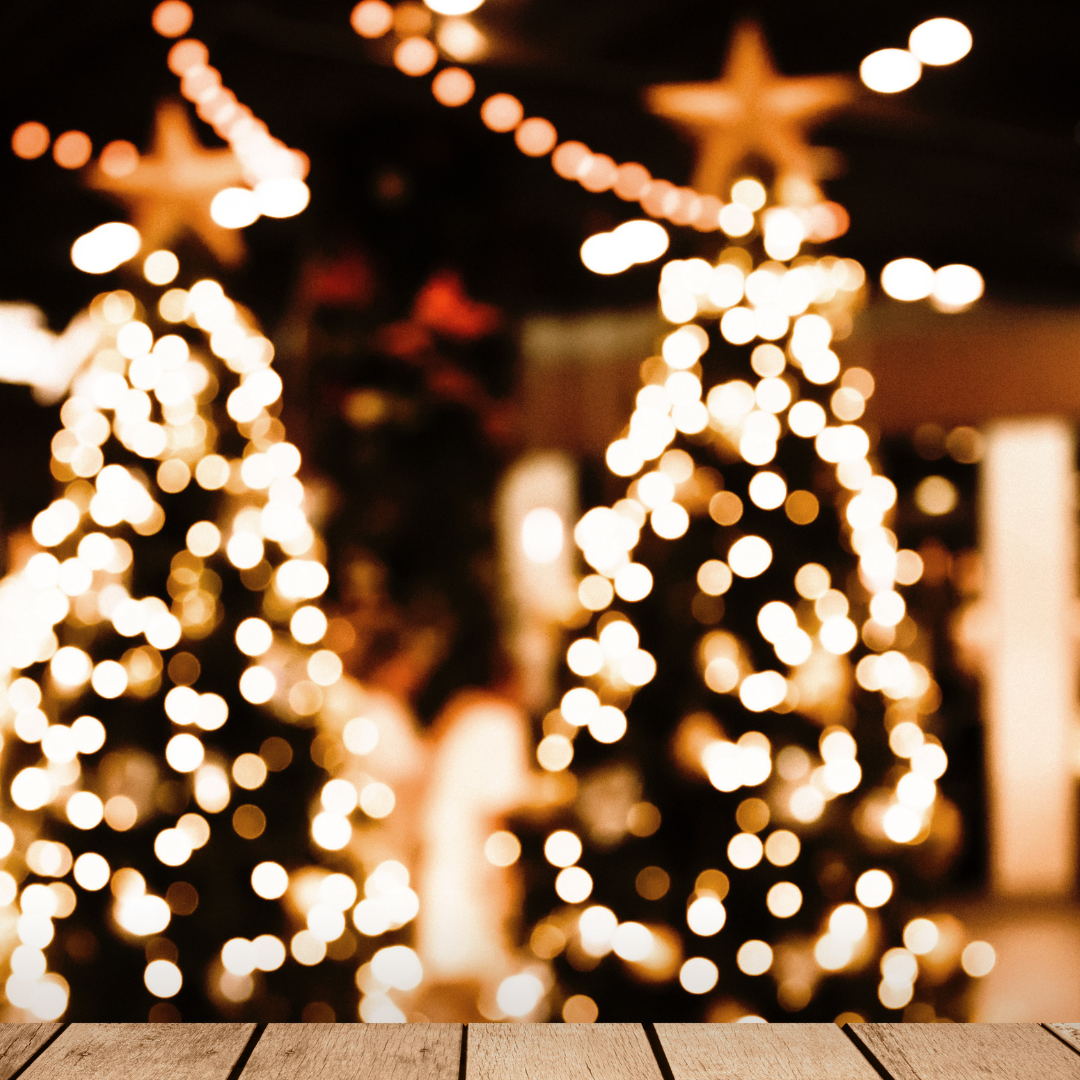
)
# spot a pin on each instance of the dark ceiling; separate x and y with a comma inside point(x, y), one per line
point(978, 163)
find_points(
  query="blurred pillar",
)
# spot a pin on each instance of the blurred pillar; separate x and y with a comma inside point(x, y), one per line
point(1028, 526)
point(536, 508)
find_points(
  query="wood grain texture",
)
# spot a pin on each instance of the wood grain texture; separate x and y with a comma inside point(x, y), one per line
point(560, 1052)
point(19, 1042)
point(968, 1051)
point(1069, 1032)
point(142, 1052)
point(762, 1052)
point(356, 1052)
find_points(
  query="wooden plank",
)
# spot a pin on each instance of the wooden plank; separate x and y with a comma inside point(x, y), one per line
point(19, 1043)
point(762, 1052)
point(355, 1051)
point(968, 1051)
point(142, 1052)
point(559, 1052)
point(1069, 1032)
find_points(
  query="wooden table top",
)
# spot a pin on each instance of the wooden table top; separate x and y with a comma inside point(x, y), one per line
point(539, 1052)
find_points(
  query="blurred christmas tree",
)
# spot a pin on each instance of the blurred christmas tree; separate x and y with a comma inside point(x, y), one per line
point(164, 640)
point(749, 635)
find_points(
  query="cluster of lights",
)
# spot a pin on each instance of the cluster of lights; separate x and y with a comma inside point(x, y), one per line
point(535, 136)
point(154, 396)
point(795, 306)
point(276, 173)
point(950, 288)
point(936, 42)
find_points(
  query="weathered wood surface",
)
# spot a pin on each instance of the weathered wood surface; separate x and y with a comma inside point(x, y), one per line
point(559, 1052)
point(356, 1052)
point(1069, 1032)
point(19, 1043)
point(142, 1052)
point(968, 1051)
point(762, 1052)
point(540, 1052)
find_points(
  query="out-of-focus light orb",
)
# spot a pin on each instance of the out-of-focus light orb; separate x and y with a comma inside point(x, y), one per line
point(308, 625)
point(85, 810)
point(105, 248)
point(978, 958)
point(698, 975)
point(784, 899)
point(957, 286)
point(519, 994)
point(257, 685)
point(535, 136)
point(160, 267)
point(684, 347)
point(163, 978)
point(750, 556)
point(938, 42)
point(281, 196)
point(452, 86)
point(935, 496)
point(72, 150)
point(70, 667)
point(581, 704)
point(184, 753)
point(874, 888)
point(901, 823)
point(453, 7)
point(461, 40)
point(580, 1009)
point(782, 847)
point(269, 880)
point(501, 112)
point(555, 752)
point(888, 71)
point(331, 831)
point(170, 19)
point(143, 914)
point(706, 916)
point(632, 941)
point(234, 208)
point(921, 936)
point(745, 851)
point(372, 18)
point(360, 735)
point(307, 949)
point(767, 490)
point(30, 140)
point(542, 535)
point(502, 848)
point(807, 419)
point(608, 725)
point(562, 848)
point(754, 957)
point(249, 771)
point(907, 279)
point(573, 885)
point(254, 637)
point(397, 966)
point(91, 871)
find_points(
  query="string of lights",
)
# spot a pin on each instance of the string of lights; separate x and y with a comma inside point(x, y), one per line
point(275, 174)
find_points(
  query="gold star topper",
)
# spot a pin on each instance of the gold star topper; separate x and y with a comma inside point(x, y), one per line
point(170, 189)
point(750, 109)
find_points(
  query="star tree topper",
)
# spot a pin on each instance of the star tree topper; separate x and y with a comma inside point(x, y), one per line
point(171, 188)
point(750, 109)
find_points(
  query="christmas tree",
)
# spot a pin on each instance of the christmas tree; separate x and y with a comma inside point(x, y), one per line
point(165, 642)
point(750, 637)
